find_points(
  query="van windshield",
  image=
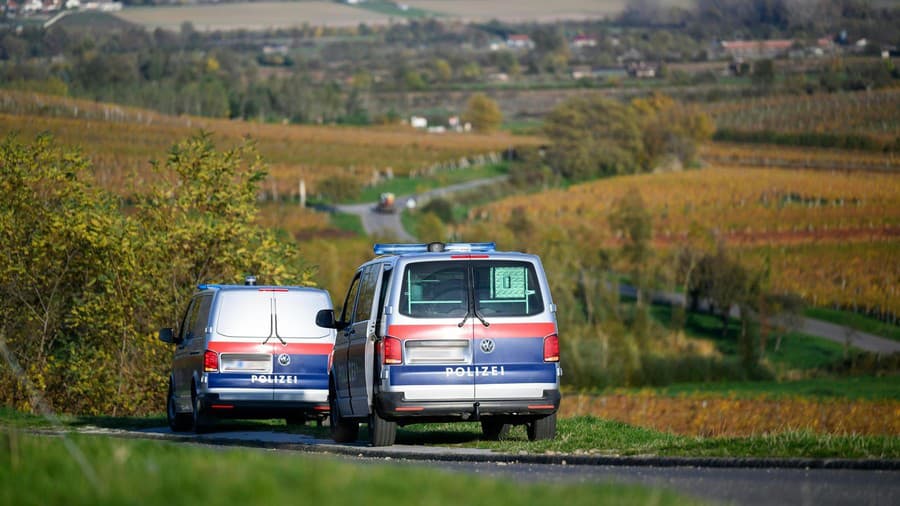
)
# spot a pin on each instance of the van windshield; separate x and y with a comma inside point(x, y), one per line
point(442, 289)
point(248, 314)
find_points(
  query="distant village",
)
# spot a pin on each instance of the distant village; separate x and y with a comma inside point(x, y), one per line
point(14, 8)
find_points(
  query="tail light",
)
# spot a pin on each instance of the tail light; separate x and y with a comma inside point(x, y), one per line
point(551, 348)
point(393, 350)
point(210, 361)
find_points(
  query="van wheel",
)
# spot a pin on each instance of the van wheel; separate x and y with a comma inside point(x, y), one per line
point(342, 430)
point(201, 421)
point(542, 428)
point(178, 422)
point(381, 432)
point(494, 429)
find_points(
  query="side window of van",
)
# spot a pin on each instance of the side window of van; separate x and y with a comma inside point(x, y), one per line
point(350, 300)
point(366, 294)
point(198, 328)
point(190, 318)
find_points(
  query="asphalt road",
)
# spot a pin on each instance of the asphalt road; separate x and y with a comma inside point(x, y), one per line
point(389, 225)
point(729, 483)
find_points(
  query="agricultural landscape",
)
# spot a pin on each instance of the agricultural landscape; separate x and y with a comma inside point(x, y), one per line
point(694, 225)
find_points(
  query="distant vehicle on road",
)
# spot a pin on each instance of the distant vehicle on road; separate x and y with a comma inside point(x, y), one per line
point(387, 203)
point(249, 352)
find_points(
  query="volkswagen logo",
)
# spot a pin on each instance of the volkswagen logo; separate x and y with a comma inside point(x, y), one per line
point(487, 345)
point(284, 359)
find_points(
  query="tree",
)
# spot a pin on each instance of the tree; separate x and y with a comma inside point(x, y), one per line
point(483, 113)
point(592, 136)
point(431, 229)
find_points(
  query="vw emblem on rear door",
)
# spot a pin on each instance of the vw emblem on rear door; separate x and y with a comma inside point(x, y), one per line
point(487, 345)
point(284, 359)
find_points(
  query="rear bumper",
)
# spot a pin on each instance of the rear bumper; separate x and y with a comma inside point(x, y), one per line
point(225, 406)
point(393, 406)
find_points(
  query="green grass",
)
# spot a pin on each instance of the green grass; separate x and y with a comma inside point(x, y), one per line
point(595, 436)
point(348, 222)
point(871, 388)
point(40, 470)
point(407, 186)
point(797, 351)
point(856, 321)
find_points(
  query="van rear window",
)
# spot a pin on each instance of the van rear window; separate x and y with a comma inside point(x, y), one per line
point(443, 289)
point(249, 314)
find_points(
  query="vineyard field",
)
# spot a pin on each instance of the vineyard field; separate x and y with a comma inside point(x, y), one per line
point(832, 237)
point(120, 141)
point(863, 119)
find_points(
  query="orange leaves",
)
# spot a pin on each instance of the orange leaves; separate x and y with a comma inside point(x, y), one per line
point(704, 415)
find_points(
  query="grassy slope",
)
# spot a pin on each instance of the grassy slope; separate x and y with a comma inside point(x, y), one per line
point(40, 470)
point(861, 387)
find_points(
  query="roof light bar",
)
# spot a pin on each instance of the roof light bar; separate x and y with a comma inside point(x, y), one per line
point(455, 247)
point(206, 286)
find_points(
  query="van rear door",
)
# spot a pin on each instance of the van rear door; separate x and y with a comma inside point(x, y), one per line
point(244, 333)
point(509, 335)
point(301, 349)
point(432, 322)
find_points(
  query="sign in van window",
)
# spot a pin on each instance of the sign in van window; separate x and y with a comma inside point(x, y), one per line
point(504, 288)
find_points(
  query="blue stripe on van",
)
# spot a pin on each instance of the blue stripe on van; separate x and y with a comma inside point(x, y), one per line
point(470, 374)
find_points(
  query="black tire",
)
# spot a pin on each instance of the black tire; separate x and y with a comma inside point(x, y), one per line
point(542, 428)
point(494, 429)
point(342, 430)
point(381, 432)
point(201, 421)
point(178, 422)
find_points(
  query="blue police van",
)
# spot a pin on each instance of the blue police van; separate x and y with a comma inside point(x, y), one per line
point(247, 351)
point(445, 332)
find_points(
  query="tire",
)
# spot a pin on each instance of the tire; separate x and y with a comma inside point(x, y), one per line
point(342, 431)
point(542, 428)
point(178, 422)
point(494, 429)
point(381, 432)
point(201, 421)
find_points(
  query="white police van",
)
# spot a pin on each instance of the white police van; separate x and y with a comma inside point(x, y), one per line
point(247, 351)
point(445, 332)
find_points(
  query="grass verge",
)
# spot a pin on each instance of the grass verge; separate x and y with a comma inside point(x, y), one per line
point(348, 222)
point(41, 470)
point(855, 321)
point(591, 435)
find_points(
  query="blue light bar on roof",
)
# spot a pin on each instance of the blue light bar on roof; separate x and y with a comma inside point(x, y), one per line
point(454, 247)
point(205, 286)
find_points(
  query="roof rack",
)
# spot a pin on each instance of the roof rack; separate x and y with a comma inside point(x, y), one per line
point(434, 247)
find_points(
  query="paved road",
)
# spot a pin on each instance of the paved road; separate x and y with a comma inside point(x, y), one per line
point(389, 225)
point(830, 331)
point(792, 485)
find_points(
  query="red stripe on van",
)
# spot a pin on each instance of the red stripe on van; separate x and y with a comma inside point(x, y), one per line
point(271, 347)
point(495, 331)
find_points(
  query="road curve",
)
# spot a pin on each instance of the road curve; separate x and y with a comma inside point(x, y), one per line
point(389, 224)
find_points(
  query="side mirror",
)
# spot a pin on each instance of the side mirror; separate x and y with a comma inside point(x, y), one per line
point(166, 335)
point(325, 319)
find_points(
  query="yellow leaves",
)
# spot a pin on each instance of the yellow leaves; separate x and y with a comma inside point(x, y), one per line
point(716, 415)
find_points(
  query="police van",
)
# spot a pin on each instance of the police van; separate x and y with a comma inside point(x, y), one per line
point(247, 351)
point(445, 332)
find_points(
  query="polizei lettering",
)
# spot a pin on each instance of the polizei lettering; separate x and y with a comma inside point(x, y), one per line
point(273, 379)
point(478, 370)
